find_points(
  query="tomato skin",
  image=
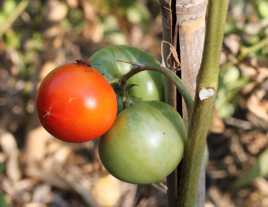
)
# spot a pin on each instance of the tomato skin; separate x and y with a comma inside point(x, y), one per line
point(75, 103)
point(144, 145)
point(147, 85)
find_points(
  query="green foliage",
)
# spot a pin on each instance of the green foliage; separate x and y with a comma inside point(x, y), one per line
point(253, 43)
point(2, 167)
point(137, 14)
point(133, 12)
point(262, 8)
point(75, 20)
point(230, 83)
point(7, 8)
point(112, 32)
point(12, 39)
point(3, 202)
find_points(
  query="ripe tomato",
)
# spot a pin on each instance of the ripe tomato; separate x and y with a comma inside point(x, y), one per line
point(75, 103)
point(145, 143)
point(147, 85)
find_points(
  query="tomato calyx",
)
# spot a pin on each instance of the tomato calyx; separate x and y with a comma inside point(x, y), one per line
point(83, 62)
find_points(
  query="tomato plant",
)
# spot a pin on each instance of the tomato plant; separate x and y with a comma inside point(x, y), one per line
point(145, 143)
point(147, 85)
point(75, 103)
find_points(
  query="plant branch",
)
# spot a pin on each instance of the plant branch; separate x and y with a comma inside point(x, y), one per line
point(207, 82)
point(12, 18)
point(249, 50)
point(170, 75)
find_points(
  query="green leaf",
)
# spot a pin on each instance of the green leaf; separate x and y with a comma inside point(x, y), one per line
point(12, 39)
point(3, 202)
point(9, 7)
point(230, 83)
point(263, 8)
point(137, 13)
point(2, 18)
point(2, 167)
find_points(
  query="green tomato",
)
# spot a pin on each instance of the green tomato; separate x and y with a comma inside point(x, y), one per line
point(145, 143)
point(146, 85)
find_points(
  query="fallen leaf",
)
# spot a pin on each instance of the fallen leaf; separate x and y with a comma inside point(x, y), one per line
point(106, 191)
point(9, 146)
point(56, 10)
point(36, 142)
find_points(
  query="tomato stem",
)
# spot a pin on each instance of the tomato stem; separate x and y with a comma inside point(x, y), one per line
point(169, 74)
point(207, 83)
point(83, 62)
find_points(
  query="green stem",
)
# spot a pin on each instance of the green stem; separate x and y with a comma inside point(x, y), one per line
point(170, 75)
point(248, 50)
point(15, 14)
point(207, 83)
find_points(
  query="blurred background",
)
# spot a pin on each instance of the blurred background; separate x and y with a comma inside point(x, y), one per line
point(37, 170)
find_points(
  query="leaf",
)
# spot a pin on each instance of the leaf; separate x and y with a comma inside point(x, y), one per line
point(137, 14)
point(259, 169)
point(263, 8)
point(9, 7)
point(3, 202)
point(230, 83)
point(2, 167)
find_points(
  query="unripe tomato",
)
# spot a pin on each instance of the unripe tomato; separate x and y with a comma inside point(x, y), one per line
point(147, 85)
point(145, 143)
point(75, 103)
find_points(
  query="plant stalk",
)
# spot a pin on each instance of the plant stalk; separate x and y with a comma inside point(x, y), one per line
point(170, 75)
point(245, 52)
point(207, 82)
point(15, 14)
point(190, 31)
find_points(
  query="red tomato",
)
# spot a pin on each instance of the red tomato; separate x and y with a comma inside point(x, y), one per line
point(76, 103)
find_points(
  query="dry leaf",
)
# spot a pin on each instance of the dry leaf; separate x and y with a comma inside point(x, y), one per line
point(233, 43)
point(9, 146)
point(217, 124)
point(106, 191)
point(47, 67)
point(258, 106)
point(35, 205)
point(220, 199)
point(42, 194)
point(36, 144)
point(73, 3)
point(56, 10)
